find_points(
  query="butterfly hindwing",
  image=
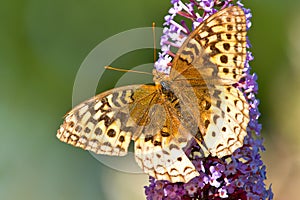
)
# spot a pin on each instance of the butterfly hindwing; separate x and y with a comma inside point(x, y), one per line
point(223, 123)
point(158, 150)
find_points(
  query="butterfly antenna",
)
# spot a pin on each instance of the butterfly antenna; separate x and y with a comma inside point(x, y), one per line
point(126, 70)
point(154, 41)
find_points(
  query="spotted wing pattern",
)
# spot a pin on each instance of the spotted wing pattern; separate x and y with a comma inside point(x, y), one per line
point(101, 124)
point(206, 66)
point(158, 149)
point(197, 99)
point(107, 123)
point(223, 120)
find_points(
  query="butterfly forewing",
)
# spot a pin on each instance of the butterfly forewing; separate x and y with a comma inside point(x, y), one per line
point(217, 49)
point(223, 36)
point(158, 149)
point(101, 124)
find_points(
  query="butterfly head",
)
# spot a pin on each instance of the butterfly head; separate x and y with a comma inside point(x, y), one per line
point(160, 78)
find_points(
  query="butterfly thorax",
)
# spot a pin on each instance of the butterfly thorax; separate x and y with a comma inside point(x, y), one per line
point(169, 95)
point(159, 77)
point(163, 85)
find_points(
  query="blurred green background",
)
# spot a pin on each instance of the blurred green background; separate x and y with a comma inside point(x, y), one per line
point(42, 45)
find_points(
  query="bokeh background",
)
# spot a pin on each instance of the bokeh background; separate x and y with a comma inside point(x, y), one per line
point(42, 45)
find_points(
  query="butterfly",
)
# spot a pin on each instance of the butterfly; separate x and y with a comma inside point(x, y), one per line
point(197, 100)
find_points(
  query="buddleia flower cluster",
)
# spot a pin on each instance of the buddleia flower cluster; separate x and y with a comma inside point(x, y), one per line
point(240, 175)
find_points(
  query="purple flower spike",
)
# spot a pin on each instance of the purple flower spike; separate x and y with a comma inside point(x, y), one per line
point(240, 175)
